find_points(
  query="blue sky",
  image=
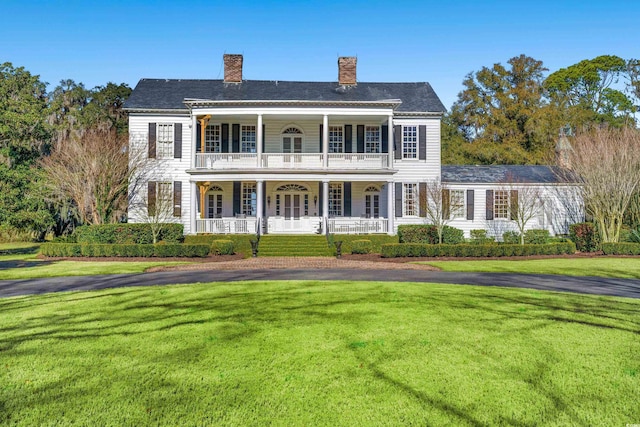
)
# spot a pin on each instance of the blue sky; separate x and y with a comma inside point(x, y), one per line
point(95, 42)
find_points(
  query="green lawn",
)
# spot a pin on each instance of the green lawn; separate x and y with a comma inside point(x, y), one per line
point(27, 266)
point(601, 267)
point(319, 353)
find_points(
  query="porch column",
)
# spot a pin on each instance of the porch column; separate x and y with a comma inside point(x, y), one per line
point(325, 141)
point(390, 208)
point(390, 139)
point(325, 206)
point(259, 206)
point(259, 137)
point(194, 139)
point(194, 205)
point(203, 191)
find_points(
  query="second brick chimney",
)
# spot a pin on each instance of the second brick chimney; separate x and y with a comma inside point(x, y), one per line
point(347, 70)
point(232, 68)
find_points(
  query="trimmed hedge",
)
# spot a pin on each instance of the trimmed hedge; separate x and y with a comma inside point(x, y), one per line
point(474, 250)
point(511, 238)
point(584, 235)
point(537, 236)
point(479, 237)
point(361, 246)
point(377, 240)
point(621, 248)
point(127, 233)
point(241, 242)
point(428, 233)
point(123, 250)
point(222, 247)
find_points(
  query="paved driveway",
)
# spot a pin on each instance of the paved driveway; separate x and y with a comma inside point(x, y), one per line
point(586, 285)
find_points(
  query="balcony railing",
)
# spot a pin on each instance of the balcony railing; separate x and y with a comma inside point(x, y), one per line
point(229, 225)
point(358, 225)
point(216, 161)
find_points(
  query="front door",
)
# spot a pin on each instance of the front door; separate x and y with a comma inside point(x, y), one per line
point(292, 144)
point(292, 206)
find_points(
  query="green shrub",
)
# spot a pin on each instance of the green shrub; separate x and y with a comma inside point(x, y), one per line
point(241, 242)
point(222, 247)
point(537, 236)
point(127, 233)
point(428, 233)
point(361, 246)
point(123, 250)
point(474, 250)
point(479, 237)
point(377, 240)
point(511, 237)
point(584, 235)
point(624, 248)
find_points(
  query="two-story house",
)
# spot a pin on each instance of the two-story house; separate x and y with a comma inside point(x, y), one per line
point(242, 156)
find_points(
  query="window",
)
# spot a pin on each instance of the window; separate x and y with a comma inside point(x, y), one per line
point(372, 139)
point(456, 204)
point(249, 199)
point(501, 204)
point(215, 206)
point(411, 199)
point(292, 140)
point(212, 142)
point(336, 144)
point(335, 199)
point(409, 142)
point(248, 139)
point(165, 141)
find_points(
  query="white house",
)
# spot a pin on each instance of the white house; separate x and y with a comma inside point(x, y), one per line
point(247, 156)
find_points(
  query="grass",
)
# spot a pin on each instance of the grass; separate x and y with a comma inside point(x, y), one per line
point(27, 266)
point(319, 353)
point(601, 267)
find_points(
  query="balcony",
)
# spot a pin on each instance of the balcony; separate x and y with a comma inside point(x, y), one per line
point(223, 161)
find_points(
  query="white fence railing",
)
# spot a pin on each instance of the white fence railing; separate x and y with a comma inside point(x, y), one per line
point(358, 225)
point(226, 160)
point(358, 161)
point(226, 225)
point(303, 225)
point(291, 161)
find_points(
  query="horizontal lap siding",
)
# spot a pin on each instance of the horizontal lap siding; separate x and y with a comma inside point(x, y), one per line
point(421, 170)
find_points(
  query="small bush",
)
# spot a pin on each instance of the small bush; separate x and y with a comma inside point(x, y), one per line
point(361, 246)
point(241, 242)
point(474, 250)
point(428, 233)
point(452, 235)
point(536, 237)
point(479, 237)
point(584, 235)
point(222, 247)
point(511, 237)
point(625, 248)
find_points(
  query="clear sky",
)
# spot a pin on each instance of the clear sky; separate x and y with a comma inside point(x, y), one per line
point(96, 41)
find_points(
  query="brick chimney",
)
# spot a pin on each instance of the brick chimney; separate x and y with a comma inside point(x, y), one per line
point(232, 68)
point(347, 70)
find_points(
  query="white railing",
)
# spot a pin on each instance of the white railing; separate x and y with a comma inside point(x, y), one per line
point(226, 225)
point(358, 225)
point(304, 225)
point(292, 161)
point(226, 160)
point(358, 161)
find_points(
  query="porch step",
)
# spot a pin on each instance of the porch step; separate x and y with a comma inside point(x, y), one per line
point(294, 245)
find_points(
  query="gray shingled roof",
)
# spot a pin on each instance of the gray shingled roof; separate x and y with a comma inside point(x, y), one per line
point(500, 174)
point(170, 94)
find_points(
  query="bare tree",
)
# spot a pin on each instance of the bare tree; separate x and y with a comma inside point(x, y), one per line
point(159, 209)
point(525, 204)
point(607, 163)
point(91, 168)
point(435, 205)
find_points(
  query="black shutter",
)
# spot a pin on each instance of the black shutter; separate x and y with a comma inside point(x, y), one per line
point(198, 137)
point(320, 151)
point(152, 140)
point(470, 203)
point(224, 131)
point(489, 204)
point(348, 137)
point(446, 204)
point(422, 142)
point(360, 138)
point(422, 199)
point(237, 197)
point(347, 198)
point(397, 142)
point(264, 198)
point(398, 199)
point(235, 138)
point(177, 140)
point(151, 198)
point(320, 198)
point(264, 132)
point(513, 204)
point(177, 198)
point(385, 138)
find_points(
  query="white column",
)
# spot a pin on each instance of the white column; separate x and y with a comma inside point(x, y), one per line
point(325, 205)
point(259, 206)
point(259, 137)
point(194, 206)
point(390, 139)
point(325, 141)
point(391, 212)
point(194, 141)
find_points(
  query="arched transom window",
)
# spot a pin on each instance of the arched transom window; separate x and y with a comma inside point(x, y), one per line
point(292, 187)
point(292, 140)
point(371, 189)
point(292, 131)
